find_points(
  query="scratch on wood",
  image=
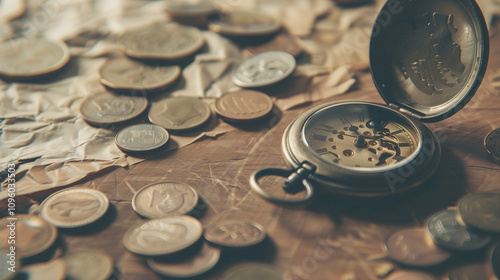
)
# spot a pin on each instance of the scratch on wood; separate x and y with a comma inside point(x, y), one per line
point(129, 187)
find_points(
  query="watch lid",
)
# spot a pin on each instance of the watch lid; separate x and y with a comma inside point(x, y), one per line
point(428, 57)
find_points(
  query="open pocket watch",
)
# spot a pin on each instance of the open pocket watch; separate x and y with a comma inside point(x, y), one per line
point(428, 58)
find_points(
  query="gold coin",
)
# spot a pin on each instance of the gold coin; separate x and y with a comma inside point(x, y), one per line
point(202, 262)
point(33, 235)
point(29, 58)
point(88, 265)
point(179, 113)
point(243, 24)
point(164, 199)
point(162, 41)
point(162, 236)
point(74, 207)
point(244, 105)
point(109, 108)
point(127, 74)
point(141, 138)
point(234, 234)
point(54, 270)
point(481, 211)
point(253, 271)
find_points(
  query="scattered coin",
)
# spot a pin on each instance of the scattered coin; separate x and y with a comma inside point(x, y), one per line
point(141, 138)
point(492, 145)
point(243, 24)
point(74, 207)
point(33, 235)
point(28, 58)
point(253, 271)
point(127, 74)
point(412, 247)
point(162, 236)
point(447, 232)
point(162, 41)
point(179, 113)
point(411, 275)
point(495, 260)
point(481, 211)
point(202, 262)
point(264, 69)
point(6, 263)
point(476, 271)
point(88, 265)
point(54, 270)
point(164, 199)
point(282, 42)
point(109, 108)
point(182, 10)
point(244, 105)
point(235, 234)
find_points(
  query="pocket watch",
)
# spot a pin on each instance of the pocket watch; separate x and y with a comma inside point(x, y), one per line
point(427, 58)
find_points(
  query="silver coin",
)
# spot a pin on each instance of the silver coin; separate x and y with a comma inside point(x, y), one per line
point(163, 236)
point(162, 41)
point(264, 69)
point(164, 199)
point(447, 232)
point(141, 138)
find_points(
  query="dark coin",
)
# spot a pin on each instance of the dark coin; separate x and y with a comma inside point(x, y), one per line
point(492, 145)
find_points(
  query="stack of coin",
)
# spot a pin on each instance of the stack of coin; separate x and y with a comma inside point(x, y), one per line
point(243, 24)
point(74, 208)
point(243, 105)
point(264, 69)
point(141, 138)
point(179, 113)
point(492, 145)
point(107, 108)
point(166, 41)
point(124, 74)
point(31, 58)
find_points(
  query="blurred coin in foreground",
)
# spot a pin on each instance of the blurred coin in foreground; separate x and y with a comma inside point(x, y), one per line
point(169, 41)
point(73, 208)
point(244, 105)
point(234, 234)
point(447, 232)
point(243, 24)
point(141, 138)
point(179, 113)
point(492, 145)
point(411, 275)
point(127, 74)
point(88, 265)
point(33, 235)
point(109, 108)
point(162, 236)
point(481, 211)
point(253, 271)
point(413, 247)
point(28, 58)
point(476, 271)
point(264, 69)
point(202, 262)
point(54, 270)
point(164, 199)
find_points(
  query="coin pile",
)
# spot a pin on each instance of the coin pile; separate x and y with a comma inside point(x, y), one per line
point(171, 241)
point(467, 227)
point(35, 234)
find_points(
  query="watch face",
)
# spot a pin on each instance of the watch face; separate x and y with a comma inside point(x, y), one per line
point(361, 136)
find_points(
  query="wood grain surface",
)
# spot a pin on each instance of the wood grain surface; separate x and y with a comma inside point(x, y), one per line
point(330, 238)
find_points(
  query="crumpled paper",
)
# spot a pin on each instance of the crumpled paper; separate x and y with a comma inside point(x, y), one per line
point(41, 119)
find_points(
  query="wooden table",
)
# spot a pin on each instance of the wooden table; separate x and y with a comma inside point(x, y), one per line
point(329, 238)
